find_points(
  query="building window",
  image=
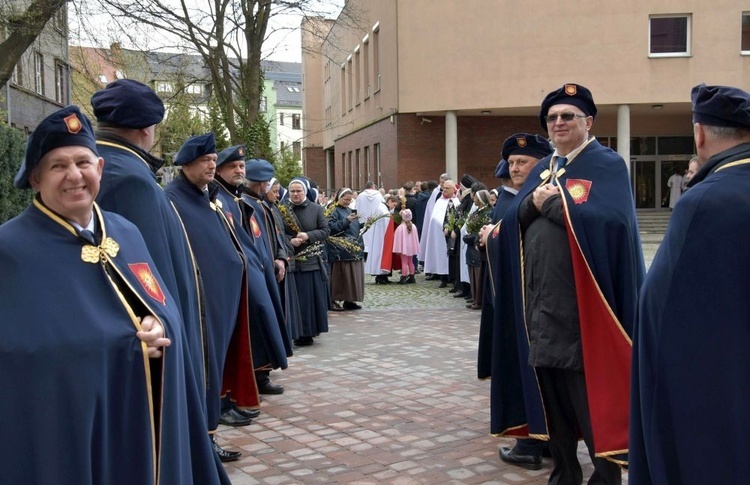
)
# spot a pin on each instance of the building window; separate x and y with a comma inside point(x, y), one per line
point(196, 89)
point(366, 65)
point(297, 150)
point(348, 181)
point(376, 154)
point(281, 118)
point(39, 73)
point(368, 176)
point(17, 76)
point(292, 89)
point(746, 33)
point(59, 19)
point(343, 89)
point(296, 121)
point(376, 56)
point(669, 36)
point(358, 161)
point(343, 168)
point(263, 102)
point(349, 84)
point(357, 77)
point(61, 83)
point(163, 87)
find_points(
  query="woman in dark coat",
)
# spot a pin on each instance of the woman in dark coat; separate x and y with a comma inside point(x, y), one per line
point(306, 225)
point(345, 254)
point(288, 285)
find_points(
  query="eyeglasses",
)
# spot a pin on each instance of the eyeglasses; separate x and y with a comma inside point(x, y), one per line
point(566, 117)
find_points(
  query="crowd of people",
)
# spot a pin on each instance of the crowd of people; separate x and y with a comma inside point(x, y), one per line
point(166, 308)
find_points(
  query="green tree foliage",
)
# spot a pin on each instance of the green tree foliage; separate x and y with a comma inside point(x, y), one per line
point(287, 167)
point(12, 200)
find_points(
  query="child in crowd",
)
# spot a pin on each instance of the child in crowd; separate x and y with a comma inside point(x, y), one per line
point(406, 244)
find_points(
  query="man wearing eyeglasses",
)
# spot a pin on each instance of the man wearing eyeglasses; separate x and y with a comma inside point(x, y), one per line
point(575, 264)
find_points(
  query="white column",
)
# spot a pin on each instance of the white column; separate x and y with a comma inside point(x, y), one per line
point(451, 144)
point(623, 133)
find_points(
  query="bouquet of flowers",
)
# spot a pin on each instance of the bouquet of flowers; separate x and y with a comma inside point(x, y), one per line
point(372, 220)
point(348, 244)
point(290, 220)
point(477, 220)
point(312, 251)
point(455, 220)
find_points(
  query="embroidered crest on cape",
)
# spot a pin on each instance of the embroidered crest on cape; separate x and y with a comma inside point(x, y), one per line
point(147, 279)
point(578, 189)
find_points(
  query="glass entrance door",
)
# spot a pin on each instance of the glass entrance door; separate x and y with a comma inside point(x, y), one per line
point(643, 178)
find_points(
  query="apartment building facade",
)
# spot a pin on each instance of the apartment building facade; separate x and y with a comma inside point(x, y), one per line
point(407, 89)
point(40, 84)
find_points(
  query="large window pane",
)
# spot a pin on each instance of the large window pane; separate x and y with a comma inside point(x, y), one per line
point(669, 35)
point(746, 32)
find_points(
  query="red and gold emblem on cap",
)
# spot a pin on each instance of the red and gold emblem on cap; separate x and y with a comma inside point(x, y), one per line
point(571, 89)
point(73, 123)
point(254, 225)
point(241, 151)
point(578, 189)
point(147, 279)
point(521, 140)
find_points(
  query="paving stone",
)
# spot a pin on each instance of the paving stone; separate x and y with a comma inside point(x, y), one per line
point(388, 396)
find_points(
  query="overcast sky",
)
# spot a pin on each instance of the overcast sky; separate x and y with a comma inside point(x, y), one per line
point(282, 44)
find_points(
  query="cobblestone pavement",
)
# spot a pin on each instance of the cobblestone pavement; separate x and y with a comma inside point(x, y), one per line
point(388, 396)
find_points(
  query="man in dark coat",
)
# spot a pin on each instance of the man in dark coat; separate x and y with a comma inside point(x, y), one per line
point(690, 376)
point(573, 273)
point(521, 152)
point(97, 385)
point(127, 113)
point(222, 265)
point(257, 233)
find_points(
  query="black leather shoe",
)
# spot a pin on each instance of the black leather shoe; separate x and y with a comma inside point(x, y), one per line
point(453, 290)
point(249, 413)
point(337, 307)
point(443, 284)
point(225, 455)
point(530, 462)
point(350, 305)
point(459, 295)
point(303, 341)
point(234, 418)
point(271, 388)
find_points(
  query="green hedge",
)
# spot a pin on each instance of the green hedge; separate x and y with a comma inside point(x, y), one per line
point(12, 200)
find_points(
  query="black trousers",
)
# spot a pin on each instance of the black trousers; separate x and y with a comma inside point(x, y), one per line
point(564, 394)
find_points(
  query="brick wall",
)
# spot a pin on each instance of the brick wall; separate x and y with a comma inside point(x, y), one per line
point(314, 165)
point(415, 150)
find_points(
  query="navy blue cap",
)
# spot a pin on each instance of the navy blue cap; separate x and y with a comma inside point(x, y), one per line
point(127, 103)
point(526, 144)
point(502, 171)
point(721, 106)
point(573, 94)
point(259, 170)
point(195, 147)
point(66, 127)
point(231, 154)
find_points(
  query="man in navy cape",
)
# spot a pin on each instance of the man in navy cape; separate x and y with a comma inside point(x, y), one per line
point(690, 391)
point(127, 113)
point(93, 392)
point(271, 343)
point(222, 266)
point(570, 285)
point(521, 152)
